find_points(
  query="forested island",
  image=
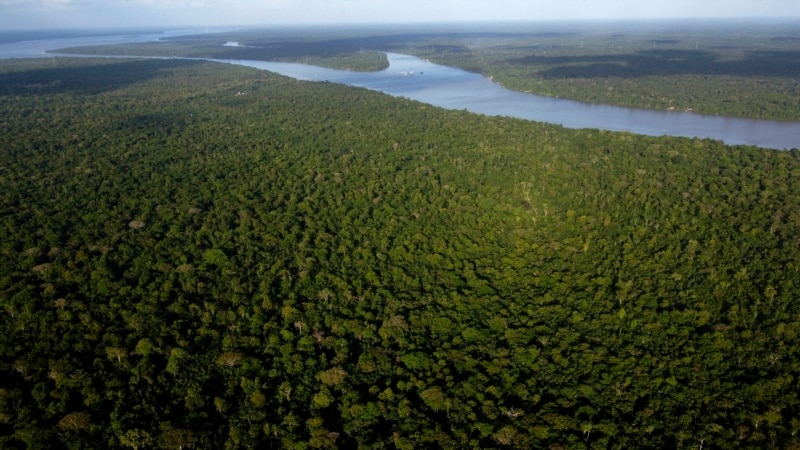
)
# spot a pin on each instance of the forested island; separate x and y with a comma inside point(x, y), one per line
point(201, 255)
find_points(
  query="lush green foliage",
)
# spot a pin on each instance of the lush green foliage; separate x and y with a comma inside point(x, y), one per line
point(312, 265)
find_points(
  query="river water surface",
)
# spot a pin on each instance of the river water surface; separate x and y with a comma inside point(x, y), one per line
point(452, 88)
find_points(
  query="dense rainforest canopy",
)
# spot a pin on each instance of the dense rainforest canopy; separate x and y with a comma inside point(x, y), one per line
point(199, 255)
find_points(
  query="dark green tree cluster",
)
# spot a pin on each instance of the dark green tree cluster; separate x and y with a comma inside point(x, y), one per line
point(317, 266)
point(356, 54)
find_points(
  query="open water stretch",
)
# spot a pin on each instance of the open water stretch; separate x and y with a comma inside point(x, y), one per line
point(452, 88)
point(38, 48)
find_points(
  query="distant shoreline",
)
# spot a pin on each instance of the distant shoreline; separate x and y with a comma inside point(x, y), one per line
point(23, 35)
point(31, 34)
point(14, 36)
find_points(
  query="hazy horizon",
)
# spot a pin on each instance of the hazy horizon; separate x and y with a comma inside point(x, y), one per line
point(78, 14)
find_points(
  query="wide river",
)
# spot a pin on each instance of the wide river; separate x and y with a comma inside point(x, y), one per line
point(448, 87)
point(452, 88)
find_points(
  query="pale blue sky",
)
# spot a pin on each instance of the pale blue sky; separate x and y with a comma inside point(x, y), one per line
point(20, 14)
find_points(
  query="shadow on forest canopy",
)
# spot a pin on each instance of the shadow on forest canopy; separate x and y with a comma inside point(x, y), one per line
point(666, 62)
point(107, 75)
